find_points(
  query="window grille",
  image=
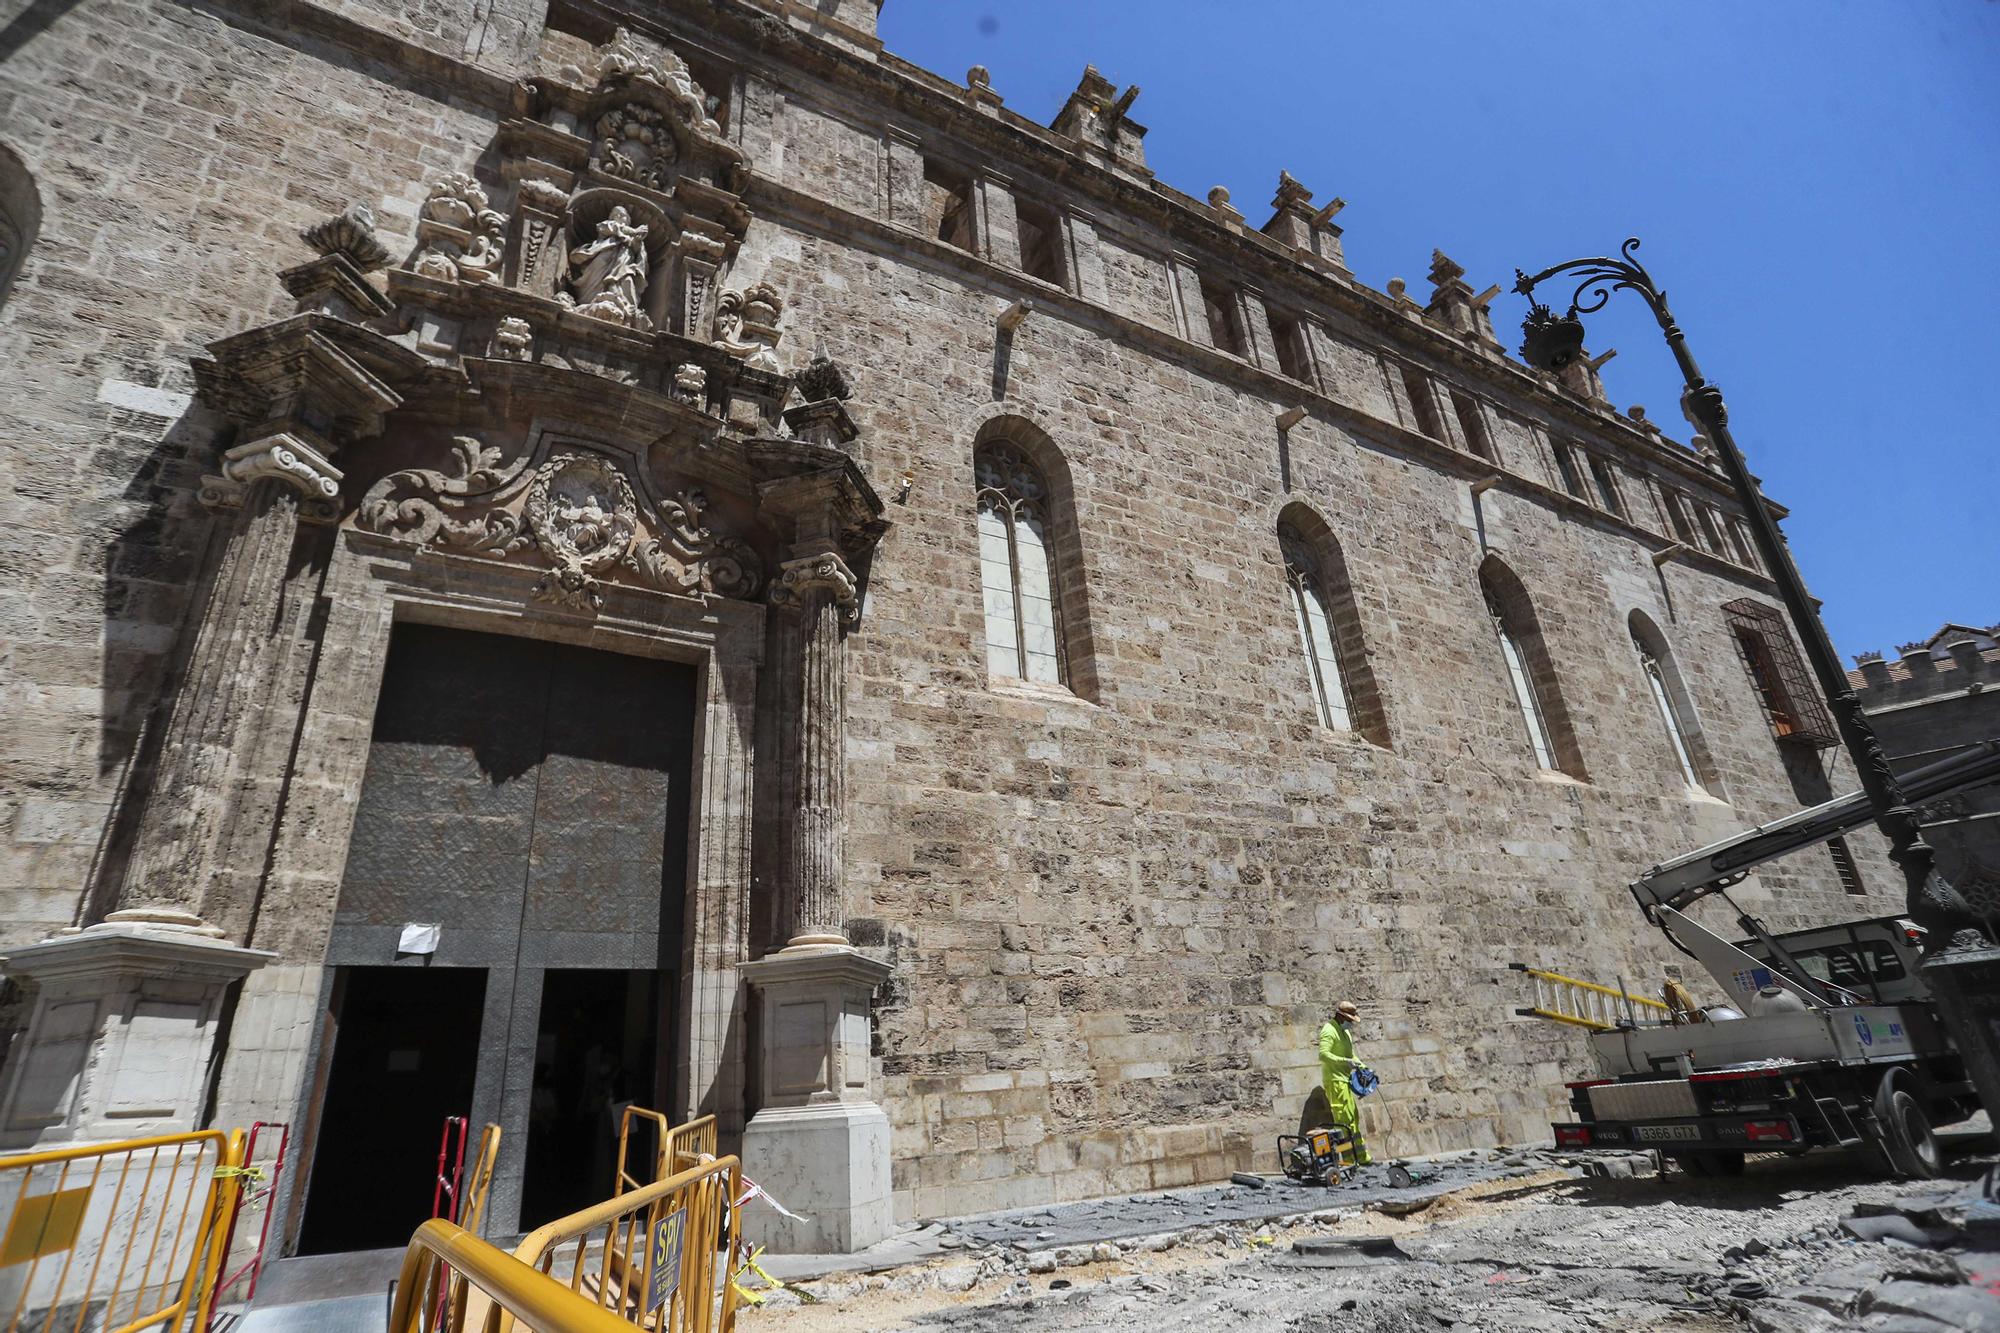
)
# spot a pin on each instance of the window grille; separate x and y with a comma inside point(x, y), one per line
point(1316, 635)
point(1843, 866)
point(1016, 573)
point(1792, 703)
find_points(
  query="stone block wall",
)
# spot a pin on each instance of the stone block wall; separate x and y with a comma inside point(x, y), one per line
point(177, 153)
point(1118, 920)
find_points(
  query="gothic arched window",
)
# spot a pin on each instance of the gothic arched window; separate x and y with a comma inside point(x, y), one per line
point(1327, 620)
point(20, 217)
point(1530, 672)
point(1522, 678)
point(1670, 699)
point(1314, 617)
point(1017, 577)
point(1656, 682)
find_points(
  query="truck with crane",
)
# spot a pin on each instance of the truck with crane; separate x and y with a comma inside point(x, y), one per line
point(1827, 1037)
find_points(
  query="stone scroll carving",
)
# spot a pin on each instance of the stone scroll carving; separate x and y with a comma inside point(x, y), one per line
point(746, 325)
point(576, 512)
point(635, 143)
point(461, 238)
point(628, 56)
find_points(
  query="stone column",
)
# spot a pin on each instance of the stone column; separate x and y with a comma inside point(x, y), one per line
point(122, 1029)
point(818, 1144)
point(175, 858)
point(818, 593)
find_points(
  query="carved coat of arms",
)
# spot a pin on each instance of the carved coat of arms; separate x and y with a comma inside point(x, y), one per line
point(577, 510)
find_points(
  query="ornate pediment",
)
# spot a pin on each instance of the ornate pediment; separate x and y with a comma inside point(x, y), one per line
point(571, 510)
point(630, 58)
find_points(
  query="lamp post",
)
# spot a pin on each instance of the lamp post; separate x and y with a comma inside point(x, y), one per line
point(1961, 966)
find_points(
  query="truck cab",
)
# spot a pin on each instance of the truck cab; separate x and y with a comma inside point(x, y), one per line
point(1875, 960)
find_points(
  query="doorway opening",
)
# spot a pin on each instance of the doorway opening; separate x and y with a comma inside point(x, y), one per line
point(405, 1053)
point(596, 1052)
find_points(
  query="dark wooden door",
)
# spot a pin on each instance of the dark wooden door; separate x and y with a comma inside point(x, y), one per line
point(531, 799)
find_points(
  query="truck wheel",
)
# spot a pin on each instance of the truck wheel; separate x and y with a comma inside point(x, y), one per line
point(1914, 1147)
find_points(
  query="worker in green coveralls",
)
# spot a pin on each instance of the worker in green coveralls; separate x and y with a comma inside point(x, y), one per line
point(1337, 1064)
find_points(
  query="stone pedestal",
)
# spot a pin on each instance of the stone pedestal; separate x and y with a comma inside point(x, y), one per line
point(820, 1145)
point(121, 1036)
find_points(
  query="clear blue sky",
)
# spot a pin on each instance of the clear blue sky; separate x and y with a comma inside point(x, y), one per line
point(1817, 183)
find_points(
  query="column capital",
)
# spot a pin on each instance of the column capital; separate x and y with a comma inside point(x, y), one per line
point(284, 456)
point(798, 581)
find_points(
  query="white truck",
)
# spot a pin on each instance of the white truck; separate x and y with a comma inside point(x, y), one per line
point(1827, 1037)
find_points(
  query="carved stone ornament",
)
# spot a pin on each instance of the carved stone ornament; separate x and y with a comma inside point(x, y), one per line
point(821, 381)
point(287, 458)
point(690, 383)
point(635, 143)
point(512, 337)
point(799, 580)
point(746, 325)
point(352, 234)
point(461, 238)
point(583, 516)
point(577, 511)
point(629, 56)
point(545, 195)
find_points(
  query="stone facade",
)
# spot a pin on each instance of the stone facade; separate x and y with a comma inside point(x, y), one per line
point(1114, 907)
point(1937, 699)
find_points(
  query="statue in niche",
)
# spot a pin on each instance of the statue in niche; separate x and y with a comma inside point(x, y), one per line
point(610, 272)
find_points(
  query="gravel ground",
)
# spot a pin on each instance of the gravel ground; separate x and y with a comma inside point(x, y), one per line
point(1765, 1251)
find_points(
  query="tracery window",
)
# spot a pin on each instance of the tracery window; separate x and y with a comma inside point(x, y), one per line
point(1016, 567)
point(1656, 682)
point(1531, 674)
point(1522, 679)
point(1314, 617)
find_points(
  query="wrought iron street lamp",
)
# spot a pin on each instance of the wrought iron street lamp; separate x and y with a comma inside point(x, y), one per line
point(1961, 966)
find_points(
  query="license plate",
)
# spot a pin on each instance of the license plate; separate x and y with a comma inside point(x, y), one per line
point(1668, 1133)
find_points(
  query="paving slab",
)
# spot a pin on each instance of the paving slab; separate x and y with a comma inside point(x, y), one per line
point(1123, 1218)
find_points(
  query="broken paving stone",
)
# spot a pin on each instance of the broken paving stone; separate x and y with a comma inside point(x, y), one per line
point(1961, 1307)
point(1103, 1252)
point(1042, 1261)
point(1897, 1228)
point(957, 1277)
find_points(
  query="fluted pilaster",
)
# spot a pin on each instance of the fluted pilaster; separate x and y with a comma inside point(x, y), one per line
point(182, 827)
point(819, 592)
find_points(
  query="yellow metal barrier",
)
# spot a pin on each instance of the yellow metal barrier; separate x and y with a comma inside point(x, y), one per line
point(677, 1147)
point(117, 1237)
point(626, 1177)
point(689, 1145)
point(1584, 1004)
point(659, 1257)
point(447, 1259)
point(481, 1179)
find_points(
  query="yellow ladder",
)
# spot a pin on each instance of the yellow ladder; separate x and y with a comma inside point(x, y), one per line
point(1583, 1004)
